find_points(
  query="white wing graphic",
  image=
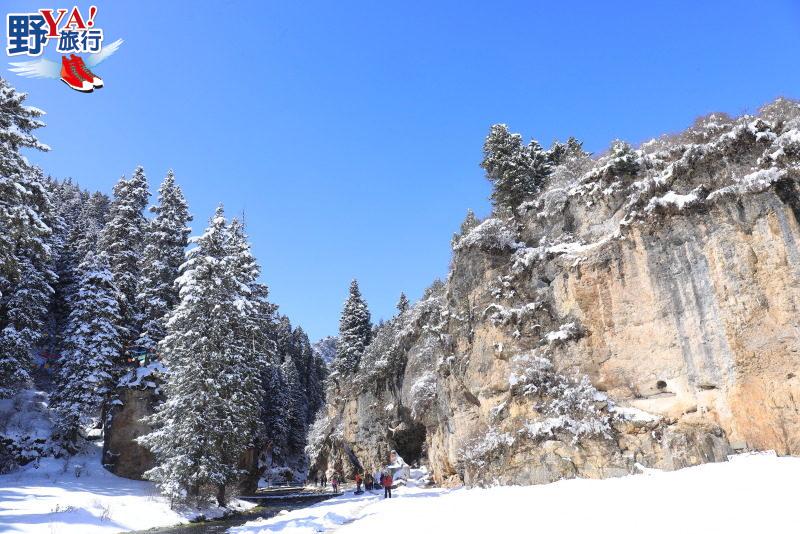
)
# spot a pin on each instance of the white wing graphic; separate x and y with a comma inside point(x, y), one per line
point(41, 68)
point(44, 68)
point(94, 59)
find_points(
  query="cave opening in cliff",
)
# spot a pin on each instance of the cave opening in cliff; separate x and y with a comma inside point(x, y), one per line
point(410, 442)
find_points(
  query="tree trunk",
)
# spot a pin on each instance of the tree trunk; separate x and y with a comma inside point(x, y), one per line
point(221, 495)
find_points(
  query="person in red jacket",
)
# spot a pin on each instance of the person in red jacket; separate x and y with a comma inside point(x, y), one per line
point(387, 485)
point(358, 482)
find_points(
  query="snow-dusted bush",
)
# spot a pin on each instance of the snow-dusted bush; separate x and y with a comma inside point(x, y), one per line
point(423, 393)
point(492, 235)
point(486, 448)
point(567, 404)
point(564, 333)
point(621, 161)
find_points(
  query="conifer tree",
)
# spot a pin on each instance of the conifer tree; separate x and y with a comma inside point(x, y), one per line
point(92, 344)
point(517, 172)
point(25, 312)
point(623, 160)
point(470, 221)
point(355, 332)
point(22, 226)
point(296, 413)
point(122, 240)
point(402, 304)
point(212, 402)
point(274, 411)
point(165, 243)
point(68, 201)
point(26, 217)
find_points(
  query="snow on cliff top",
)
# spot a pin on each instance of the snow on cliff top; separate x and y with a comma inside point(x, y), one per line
point(708, 498)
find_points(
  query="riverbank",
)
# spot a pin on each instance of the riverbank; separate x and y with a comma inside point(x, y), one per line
point(77, 495)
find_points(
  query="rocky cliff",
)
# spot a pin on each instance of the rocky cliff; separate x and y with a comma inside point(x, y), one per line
point(135, 400)
point(641, 309)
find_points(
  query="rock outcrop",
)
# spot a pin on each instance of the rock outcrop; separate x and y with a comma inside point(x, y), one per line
point(136, 398)
point(122, 455)
point(642, 309)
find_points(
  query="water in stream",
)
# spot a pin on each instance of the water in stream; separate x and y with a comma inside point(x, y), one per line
point(268, 508)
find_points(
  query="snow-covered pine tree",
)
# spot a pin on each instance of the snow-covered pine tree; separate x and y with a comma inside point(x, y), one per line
point(470, 221)
point(68, 202)
point(355, 332)
point(25, 312)
point(274, 412)
point(517, 172)
point(122, 240)
point(165, 243)
point(312, 373)
point(623, 159)
point(320, 375)
point(257, 316)
point(25, 241)
point(93, 342)
point(402, 303)
point(297, 408)
point(22, 227)
point(212, 405)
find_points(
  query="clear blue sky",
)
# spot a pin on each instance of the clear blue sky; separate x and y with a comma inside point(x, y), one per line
point(350, 133)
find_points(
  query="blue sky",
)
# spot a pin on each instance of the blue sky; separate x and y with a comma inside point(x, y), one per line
point(349, 133)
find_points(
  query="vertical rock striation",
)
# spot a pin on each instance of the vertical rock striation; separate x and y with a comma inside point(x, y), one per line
point(643, 313)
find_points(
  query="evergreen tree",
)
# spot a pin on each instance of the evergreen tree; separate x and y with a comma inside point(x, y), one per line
point(22, 226)
point(623, 160)
point(212, 402)
point(312, 385)
point(165, 243)
point(26, 217)
point(274, 412)
point(68, 201)
point(355, 332)
point(122, 240)
point(93, 341)
point(25, 313)
point(297, 408)
point(402, 304)
point(561, 153)
point(469, 222)
point(517, 172)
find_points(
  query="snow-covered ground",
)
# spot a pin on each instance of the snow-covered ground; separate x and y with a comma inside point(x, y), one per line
point(79, 496)
point(751, 493)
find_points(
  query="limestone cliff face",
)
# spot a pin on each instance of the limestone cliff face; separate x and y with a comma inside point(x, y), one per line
point(642, 309)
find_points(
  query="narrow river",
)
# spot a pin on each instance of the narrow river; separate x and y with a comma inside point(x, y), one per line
point(268, 507)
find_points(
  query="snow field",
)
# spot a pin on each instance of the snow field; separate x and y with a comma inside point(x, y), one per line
point(749, 494)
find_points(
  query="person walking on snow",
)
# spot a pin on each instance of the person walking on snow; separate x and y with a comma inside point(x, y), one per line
point(358, 482)
point(368, 482)
point(387, 485)
point(335, 484)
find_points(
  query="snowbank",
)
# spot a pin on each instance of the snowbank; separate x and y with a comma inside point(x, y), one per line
point(751, 493)
point(79, 496)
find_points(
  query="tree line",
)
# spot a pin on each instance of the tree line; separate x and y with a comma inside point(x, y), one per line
point(89, 281)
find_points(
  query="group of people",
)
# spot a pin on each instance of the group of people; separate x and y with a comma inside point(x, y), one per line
point(378, 481)
point(322, 481)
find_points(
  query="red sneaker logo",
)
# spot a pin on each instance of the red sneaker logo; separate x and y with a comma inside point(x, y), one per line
point(73, 71)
